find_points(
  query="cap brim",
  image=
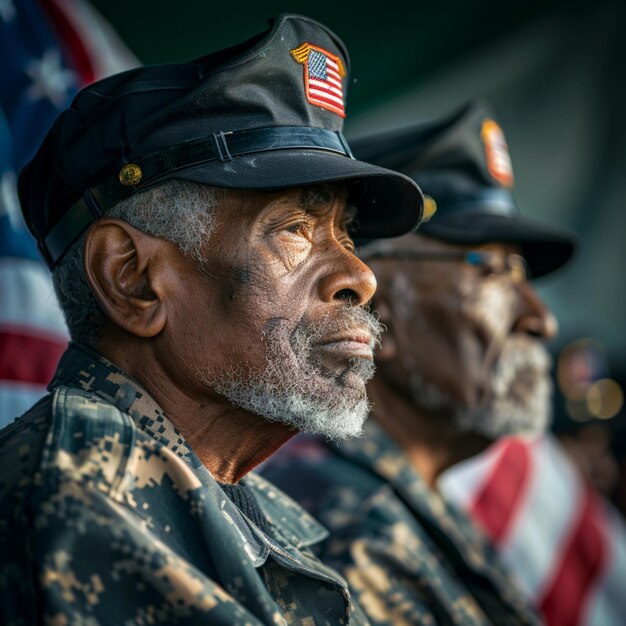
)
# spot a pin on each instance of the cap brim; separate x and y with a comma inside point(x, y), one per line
point(389, 204)
point(544, 249)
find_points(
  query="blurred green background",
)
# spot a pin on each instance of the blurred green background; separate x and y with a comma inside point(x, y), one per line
point(391, 44)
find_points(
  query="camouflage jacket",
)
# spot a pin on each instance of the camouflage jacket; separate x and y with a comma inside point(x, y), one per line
point(408, 555)
point(108, 517)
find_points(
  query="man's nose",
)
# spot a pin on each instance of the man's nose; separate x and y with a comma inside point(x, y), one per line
point(534, 317)
point(347, 278)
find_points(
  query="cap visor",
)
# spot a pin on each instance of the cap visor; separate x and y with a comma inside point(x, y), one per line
point(544, 249)
point(389, 204)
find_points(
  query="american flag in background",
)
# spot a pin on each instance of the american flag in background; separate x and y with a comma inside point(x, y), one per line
point(323, 74)
point(49, 49)
point(565, 544)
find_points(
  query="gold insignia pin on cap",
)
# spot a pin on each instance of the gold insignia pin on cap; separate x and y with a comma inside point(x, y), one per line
point(430, 208)
point(130, 175)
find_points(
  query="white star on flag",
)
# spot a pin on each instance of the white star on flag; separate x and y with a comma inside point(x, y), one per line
point(9, 204)
point(50, 79)
point(38, 81)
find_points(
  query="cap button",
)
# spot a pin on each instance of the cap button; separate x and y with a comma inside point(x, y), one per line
point(130, 175)
point(430, 208)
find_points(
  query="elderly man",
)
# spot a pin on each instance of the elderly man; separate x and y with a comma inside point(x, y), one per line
point(197, 218)
point(461, 364)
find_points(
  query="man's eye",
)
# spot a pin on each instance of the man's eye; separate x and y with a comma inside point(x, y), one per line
point(301, 228)
point(486, 269)
point(347, 243)
point(486, 262)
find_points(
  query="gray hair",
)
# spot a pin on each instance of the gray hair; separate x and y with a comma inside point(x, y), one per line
point(177, 210)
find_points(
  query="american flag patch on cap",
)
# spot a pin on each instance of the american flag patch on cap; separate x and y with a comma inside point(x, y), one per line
point(323, 74)
point(497, 153)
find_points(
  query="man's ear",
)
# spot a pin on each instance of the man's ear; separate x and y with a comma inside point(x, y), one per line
point(388, 345)
point(122, 267)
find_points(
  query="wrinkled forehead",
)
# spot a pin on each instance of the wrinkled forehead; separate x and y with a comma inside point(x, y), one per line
point(323, 197)
point(318, 199)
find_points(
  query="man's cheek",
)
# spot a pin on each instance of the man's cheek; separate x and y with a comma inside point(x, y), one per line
point(288, 253)
point(403, 297)
point(249, 289)
point(491, 307)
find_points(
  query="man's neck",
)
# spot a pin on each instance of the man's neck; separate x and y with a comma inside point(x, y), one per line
point(431, 443)
point(229, 441)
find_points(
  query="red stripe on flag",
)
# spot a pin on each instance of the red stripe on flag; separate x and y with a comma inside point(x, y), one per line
point(584, 556)
point(497, 502)
point(326, 87)
point(70, 41)
point(325, 95)
point(28, 358)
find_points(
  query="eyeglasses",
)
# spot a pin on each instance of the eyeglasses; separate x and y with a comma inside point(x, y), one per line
point(494, 262)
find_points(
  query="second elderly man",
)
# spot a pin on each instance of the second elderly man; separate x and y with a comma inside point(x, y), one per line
point(197, 218)
point(461, 364)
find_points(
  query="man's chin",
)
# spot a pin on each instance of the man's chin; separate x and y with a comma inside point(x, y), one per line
point(341, 373)
point(314, 404)
point(520, 402)
point(352, 383)
point(334, 420)
point(522, 409)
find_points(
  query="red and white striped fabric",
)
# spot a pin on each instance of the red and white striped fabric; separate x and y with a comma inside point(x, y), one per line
point(32, 334)
point(50, 49)
point(563, 542)
point(94, 48)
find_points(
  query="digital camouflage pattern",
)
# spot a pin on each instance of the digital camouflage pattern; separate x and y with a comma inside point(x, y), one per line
point(108, 517)
point(408, 555)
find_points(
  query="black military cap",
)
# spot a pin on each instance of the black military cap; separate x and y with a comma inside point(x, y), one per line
point(462, 165)
point(264, 114)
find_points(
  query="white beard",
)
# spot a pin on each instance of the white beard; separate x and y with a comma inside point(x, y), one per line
point(295, 390)
point(520, 403)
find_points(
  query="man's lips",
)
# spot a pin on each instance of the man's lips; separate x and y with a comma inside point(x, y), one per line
point(352, 343)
